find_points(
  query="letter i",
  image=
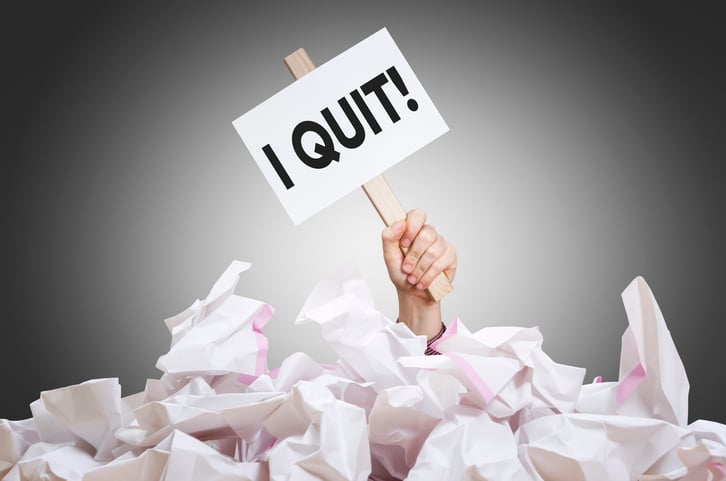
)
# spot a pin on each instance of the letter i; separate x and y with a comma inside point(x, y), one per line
point(367, 114)
point(281, 172)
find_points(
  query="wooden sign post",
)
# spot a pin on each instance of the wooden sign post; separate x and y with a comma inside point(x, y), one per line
point(377, 189)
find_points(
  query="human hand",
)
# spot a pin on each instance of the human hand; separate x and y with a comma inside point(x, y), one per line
point(415, 253)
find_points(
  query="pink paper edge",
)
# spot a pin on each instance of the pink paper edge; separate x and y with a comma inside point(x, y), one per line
point(451, 331)
point(472, 375)
point(628, 385)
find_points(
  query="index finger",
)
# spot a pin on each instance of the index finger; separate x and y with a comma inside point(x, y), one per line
point(415, 220)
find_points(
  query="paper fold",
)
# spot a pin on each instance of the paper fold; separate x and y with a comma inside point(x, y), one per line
point(493, 405)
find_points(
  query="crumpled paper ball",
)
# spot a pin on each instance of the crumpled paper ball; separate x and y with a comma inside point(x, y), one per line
point(492, 406)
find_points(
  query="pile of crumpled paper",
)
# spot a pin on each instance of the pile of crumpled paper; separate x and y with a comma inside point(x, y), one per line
point(493, 406)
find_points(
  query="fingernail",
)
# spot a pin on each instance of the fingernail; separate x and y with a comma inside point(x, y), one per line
point(406, 242)
point(407, 268)
point(419, 286)
point(412, 279)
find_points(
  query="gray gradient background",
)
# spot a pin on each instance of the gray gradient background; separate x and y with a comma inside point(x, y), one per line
point(586, 147)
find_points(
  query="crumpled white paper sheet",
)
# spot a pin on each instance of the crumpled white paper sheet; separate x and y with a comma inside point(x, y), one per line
point(220, 334)
point(493, 406)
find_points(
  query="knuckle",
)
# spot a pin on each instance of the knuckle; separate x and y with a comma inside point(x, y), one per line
point(428, 259)
point(427, 235)
point(435, 250)
point(417, 212)
point(440, 265)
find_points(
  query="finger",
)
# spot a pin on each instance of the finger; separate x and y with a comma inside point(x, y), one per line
point(425, 238)
point(391, 238)
point(429, 256)
point(445, 263)
point(415, 220)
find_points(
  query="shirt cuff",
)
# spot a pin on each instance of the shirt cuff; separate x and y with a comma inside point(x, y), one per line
point(429, 350)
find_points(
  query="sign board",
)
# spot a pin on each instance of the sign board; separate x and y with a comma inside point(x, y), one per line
point(340, 125)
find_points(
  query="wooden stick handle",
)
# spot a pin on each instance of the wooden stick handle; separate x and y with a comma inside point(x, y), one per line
point(377, 189)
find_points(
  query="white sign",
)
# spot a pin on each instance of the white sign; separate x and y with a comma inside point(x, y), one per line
point(340, 125)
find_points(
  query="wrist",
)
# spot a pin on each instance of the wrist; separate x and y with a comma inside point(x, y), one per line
point(421, 315)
